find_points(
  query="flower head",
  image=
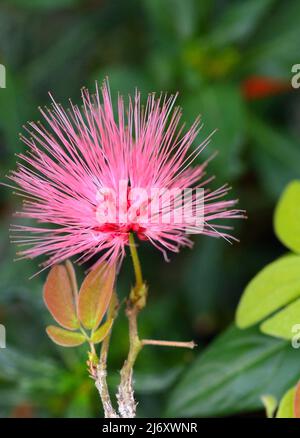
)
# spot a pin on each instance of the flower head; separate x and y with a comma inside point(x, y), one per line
point(92, 177)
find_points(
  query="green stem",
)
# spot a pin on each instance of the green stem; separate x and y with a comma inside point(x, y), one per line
point(136, 262)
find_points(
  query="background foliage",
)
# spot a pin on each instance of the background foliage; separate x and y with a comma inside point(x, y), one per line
point(212, 52)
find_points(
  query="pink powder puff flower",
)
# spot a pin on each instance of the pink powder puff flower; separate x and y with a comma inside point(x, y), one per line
point(73, 173)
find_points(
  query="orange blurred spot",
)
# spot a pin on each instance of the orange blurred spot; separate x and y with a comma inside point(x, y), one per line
point(23, 410)
point(257, 87)
point(297, 401)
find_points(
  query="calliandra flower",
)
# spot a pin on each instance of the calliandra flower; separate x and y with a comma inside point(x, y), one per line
point(85, 155)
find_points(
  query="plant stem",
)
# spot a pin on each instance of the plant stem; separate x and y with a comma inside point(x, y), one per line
point(101, 373)
point(135, 303)
point(137, 300)
point(125, 396)
point(190, 344)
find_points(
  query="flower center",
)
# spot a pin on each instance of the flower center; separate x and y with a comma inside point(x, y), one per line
point(119, 216)
point(116, 230)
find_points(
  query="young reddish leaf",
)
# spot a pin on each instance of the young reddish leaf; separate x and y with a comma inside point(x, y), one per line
point(101, 332)
point(297, 401)
point(59, 298)
point(65, 338)
point(95, 294)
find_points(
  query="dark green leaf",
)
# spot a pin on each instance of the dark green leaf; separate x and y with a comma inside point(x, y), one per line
point(238, 21)
point(233, 373)
point(44, 4)
point(221, 108)
point(275, 47)
point(276, 156)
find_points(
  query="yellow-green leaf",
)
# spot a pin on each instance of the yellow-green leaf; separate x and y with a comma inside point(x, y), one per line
point(287, 217)
point(59, 297)
point(101, 332)
point(286, 405)
point(270, 403)
point(65, 338)
point(95, 294)
point(272, 288)
point(281, 325)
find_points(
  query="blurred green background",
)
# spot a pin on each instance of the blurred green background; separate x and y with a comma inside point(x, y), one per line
point(231, 62)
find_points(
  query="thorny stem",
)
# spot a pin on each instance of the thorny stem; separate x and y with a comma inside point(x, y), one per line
point(100, 375)
point(136, 302)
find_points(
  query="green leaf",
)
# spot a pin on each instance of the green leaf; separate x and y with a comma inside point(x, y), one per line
point(275, 154)
point(54, 60)
point(16, 103)
point(123, 79)
point(174, 19)
point(16, 365)
point(81, 405)
point(270, 403)
point(210, 254)
point(149, 383)
point(223, 109)
point(286, 405)
point(59, 297)
point(101, 332)
point(273, 53)
point(281, 325)
point(44, 4)
point(95, 294)
point(231, 375)
point(65, 338)
point(273, 287)
point(287, 217)
point(239, 21)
